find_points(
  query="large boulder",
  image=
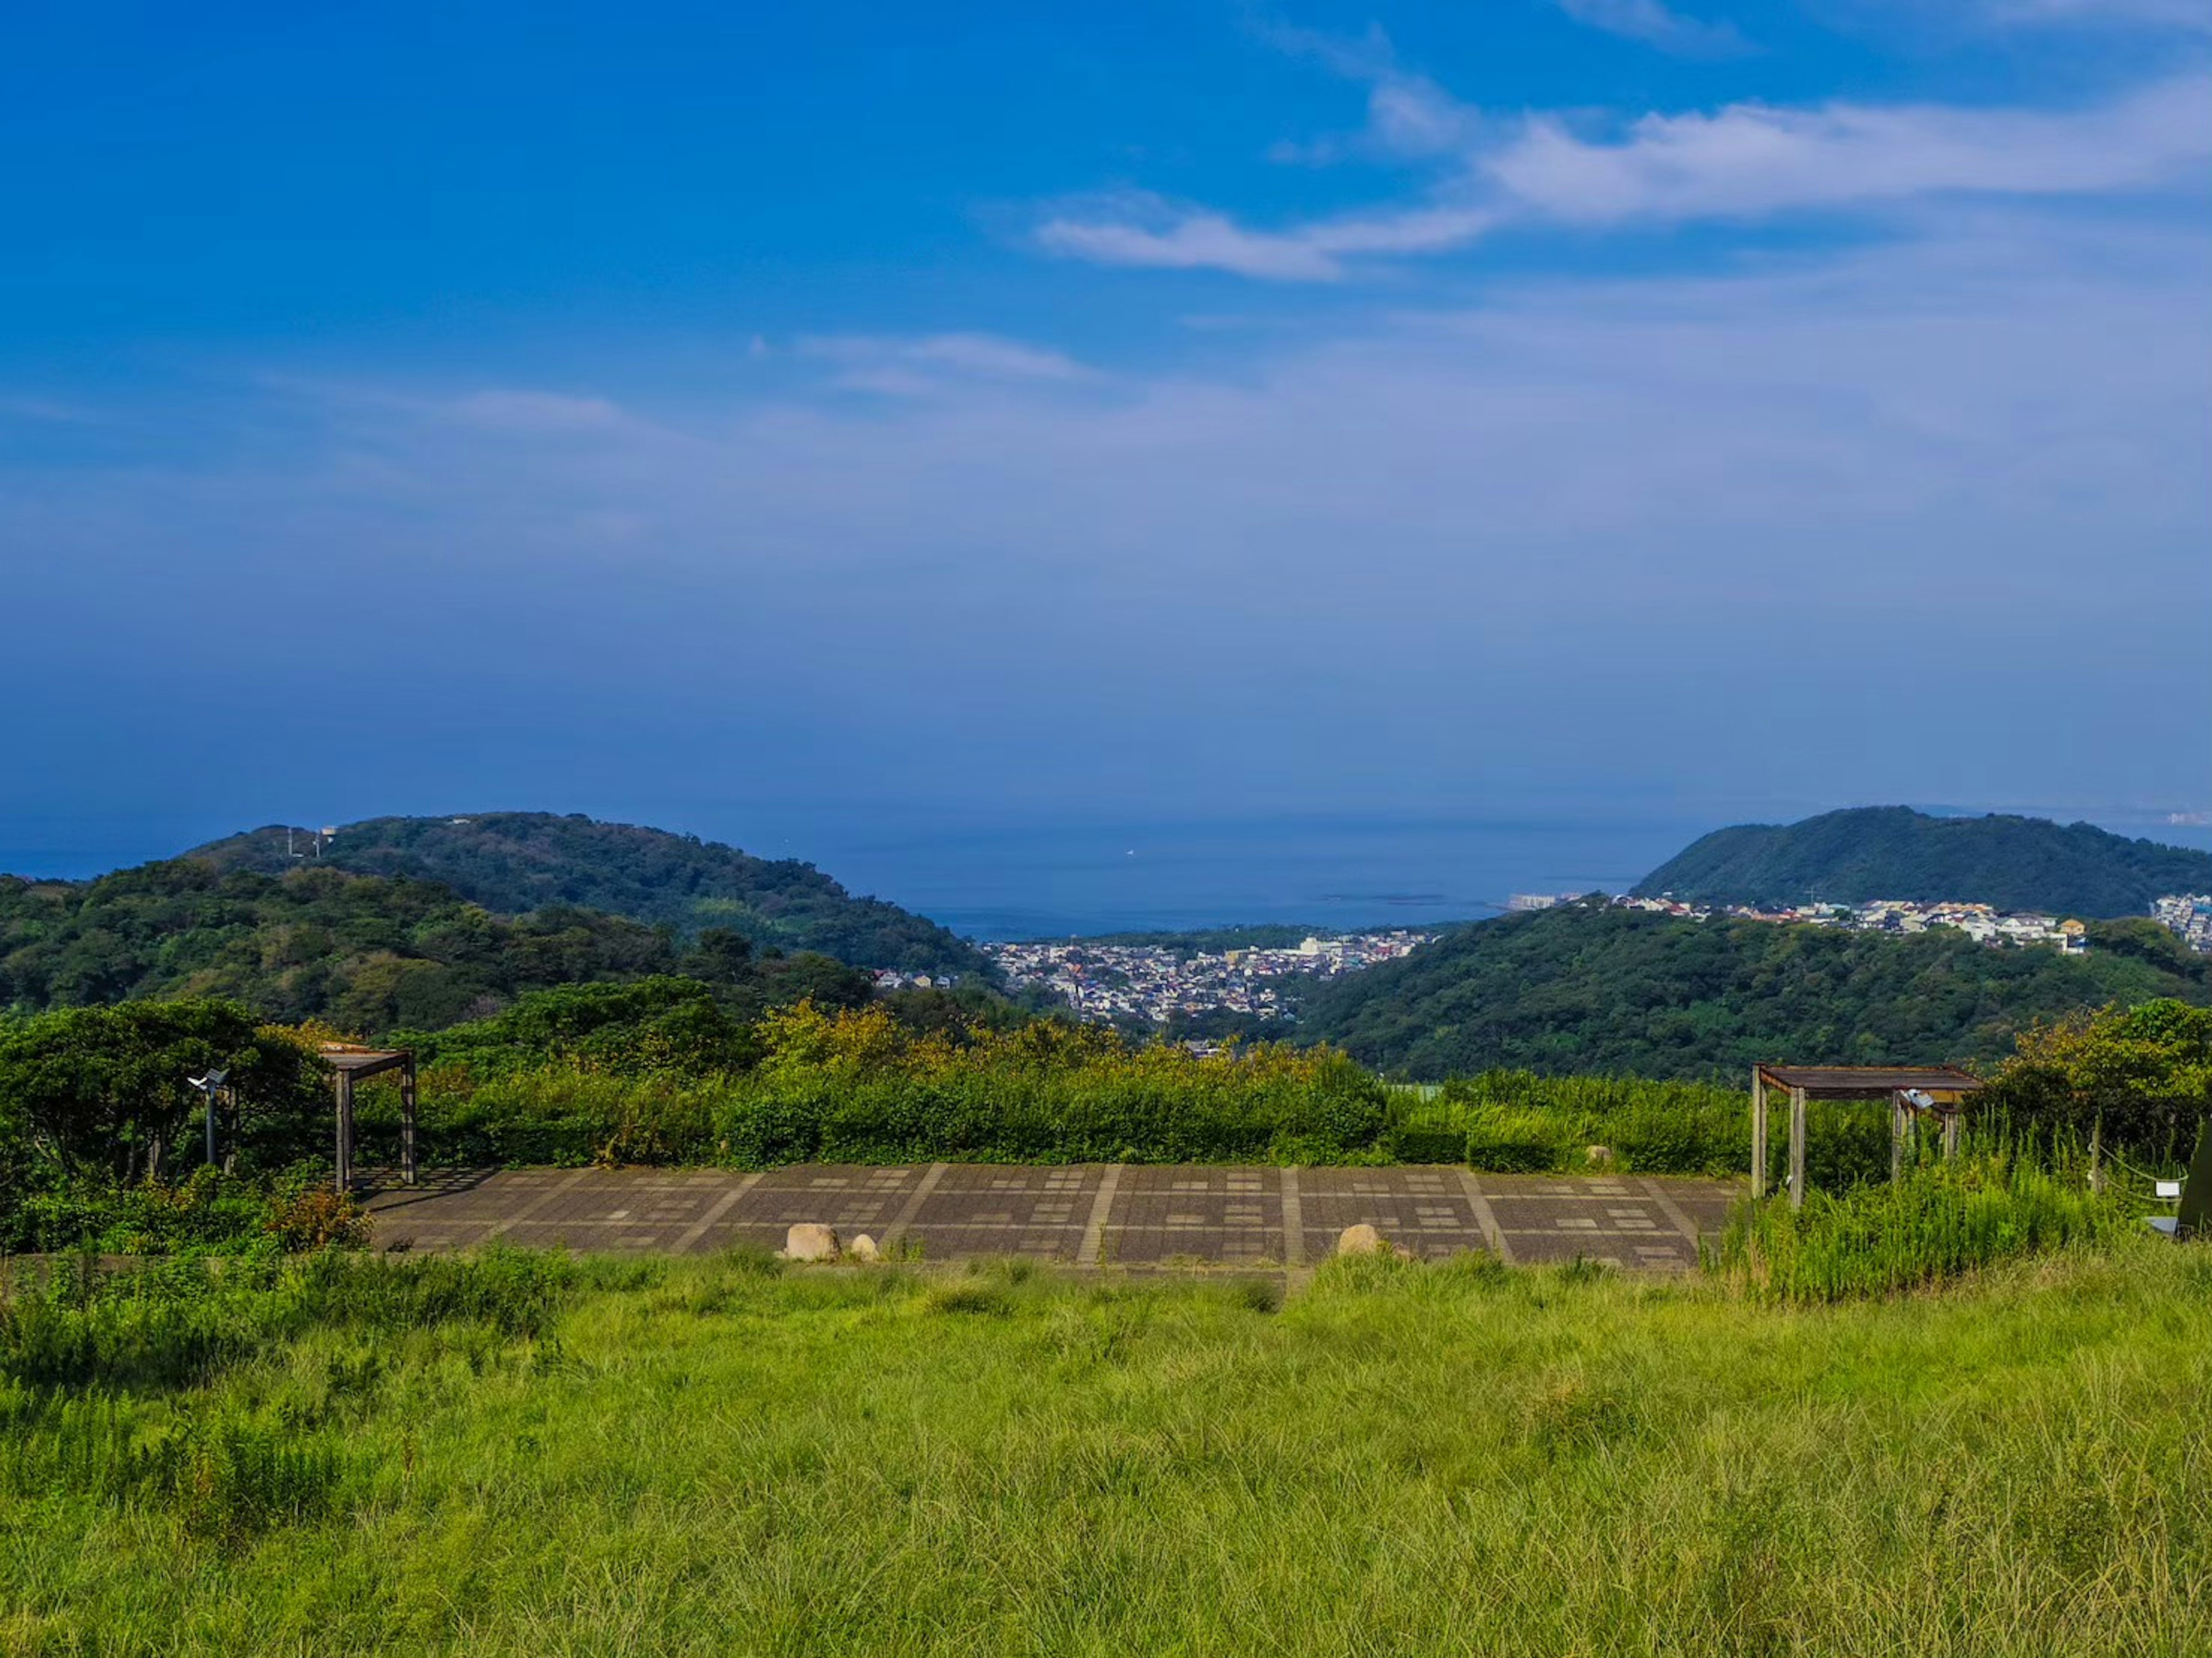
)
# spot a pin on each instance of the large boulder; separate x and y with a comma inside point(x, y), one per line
point(1361, 1240)
point(810, 1242)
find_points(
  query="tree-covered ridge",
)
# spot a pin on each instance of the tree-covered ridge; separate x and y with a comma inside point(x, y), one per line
point(1893, 852)
point(514, 862)
point(1591, 988)
point(364, 953)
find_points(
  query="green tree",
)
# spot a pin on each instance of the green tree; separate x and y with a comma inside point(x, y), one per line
point(104, 1089)
point(2144, 1073)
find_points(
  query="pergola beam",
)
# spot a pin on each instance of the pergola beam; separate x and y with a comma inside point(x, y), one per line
point(1757, 1131)
point(1796, 1148)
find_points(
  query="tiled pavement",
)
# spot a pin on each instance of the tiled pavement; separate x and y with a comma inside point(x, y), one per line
point(1088, 1215)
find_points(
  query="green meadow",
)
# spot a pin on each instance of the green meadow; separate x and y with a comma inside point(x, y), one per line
point(530, 1455)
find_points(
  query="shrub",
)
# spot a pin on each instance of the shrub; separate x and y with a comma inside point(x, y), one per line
point(859, 1086)
point(319, 1218)
point(2143, 1074)
point(1518, 1122)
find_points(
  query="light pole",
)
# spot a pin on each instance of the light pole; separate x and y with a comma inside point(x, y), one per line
point(209, 1086)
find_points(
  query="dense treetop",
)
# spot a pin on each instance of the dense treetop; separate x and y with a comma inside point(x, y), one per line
point(1588, 987)
point(1893, 852)
point(514, 862)
point(364, 953)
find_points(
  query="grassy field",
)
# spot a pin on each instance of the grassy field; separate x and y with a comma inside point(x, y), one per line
point(529, 1457)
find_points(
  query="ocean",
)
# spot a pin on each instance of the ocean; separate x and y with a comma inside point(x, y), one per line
point(1035, 882)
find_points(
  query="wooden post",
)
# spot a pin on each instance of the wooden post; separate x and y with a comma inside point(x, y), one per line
point(1796, 1148)
point(1758, 1132)
point(407, 1124)
point(1951, 1130)
point(2097, 1154)
point(345, 1132)
point(1897, 1109)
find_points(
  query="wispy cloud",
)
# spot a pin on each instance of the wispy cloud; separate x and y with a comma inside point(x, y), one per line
point(2192, 16)
point(1138, 229)
point(1743, 160)
point(1932, 428)
point(927, 364)
point(1658, 25)
point(43, 410)
point(1752, 159)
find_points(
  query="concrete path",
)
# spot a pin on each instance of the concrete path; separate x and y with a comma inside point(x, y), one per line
point(1087, 1215)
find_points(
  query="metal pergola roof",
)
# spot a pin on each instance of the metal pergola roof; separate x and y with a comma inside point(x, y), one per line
point(1868, 1082)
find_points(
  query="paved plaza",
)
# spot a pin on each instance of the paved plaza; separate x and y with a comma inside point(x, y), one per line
point(1084, 1215)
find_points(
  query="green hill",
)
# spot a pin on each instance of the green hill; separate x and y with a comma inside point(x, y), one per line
point(366, 953)
point(1893, 852)
point(1588, 987)
point(514, 862)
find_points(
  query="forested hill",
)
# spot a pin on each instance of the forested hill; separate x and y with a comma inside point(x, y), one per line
point(1893, 852)
point(513, 862)
point(1589, 987)
point(368, 954)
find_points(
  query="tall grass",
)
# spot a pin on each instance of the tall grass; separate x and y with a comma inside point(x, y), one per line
point(721, 1457)
point(1942, 1219)
point(168, 1324)
point(120, 1388)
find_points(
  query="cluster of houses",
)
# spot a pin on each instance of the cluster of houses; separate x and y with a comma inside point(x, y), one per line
point(1156, 981)
point(1983, 923)
point(891, 978)
point(2188, 915)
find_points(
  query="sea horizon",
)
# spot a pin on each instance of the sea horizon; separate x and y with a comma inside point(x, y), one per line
point(1000, 879)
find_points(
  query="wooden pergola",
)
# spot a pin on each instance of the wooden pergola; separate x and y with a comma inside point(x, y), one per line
point(349, 1064)
point(1909, 1089)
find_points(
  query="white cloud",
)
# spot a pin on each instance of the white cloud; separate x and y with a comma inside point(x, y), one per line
point(1656, 25)
point(2192, 15)
point(1144, 230)
point(1757, 159)
point(1546, 524)
point(929, 364)
point(1744, 159)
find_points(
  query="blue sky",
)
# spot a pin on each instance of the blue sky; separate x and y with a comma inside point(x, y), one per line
point(761, 420)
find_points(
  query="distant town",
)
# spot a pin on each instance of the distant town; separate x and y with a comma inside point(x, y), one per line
point(1980, 922)
point(1158, 981)
point(2189, 916)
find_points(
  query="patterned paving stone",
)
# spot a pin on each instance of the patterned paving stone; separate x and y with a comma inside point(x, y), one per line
point(977, 1209)
point(1426, 1211)
point(1223, 1217)
point(1130, 1214)
point(1634, 1221)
